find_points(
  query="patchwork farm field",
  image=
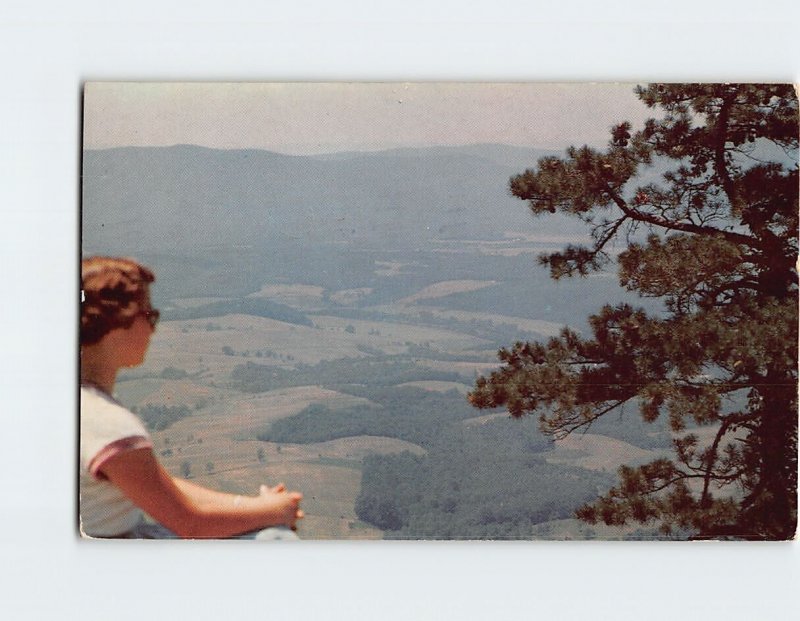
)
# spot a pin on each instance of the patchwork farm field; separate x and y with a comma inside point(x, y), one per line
point(190, 364)
point(349, 390)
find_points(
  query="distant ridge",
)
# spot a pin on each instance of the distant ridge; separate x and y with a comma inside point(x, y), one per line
point(174, 199)
point(189, 148)
point(505, 155)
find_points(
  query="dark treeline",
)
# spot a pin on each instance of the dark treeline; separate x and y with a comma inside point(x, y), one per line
point(258, 307)
point(372, 371)
point(160, 417)
point(405, 413)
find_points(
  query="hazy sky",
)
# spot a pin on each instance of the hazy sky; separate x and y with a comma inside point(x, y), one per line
point(305, 118)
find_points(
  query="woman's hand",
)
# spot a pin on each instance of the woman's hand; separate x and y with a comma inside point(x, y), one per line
point(285, 504)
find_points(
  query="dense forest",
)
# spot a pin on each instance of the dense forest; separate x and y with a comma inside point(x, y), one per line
point(469, 490)
point(479, 478)
point(410, 414)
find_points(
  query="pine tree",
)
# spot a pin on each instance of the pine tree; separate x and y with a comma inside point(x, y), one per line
point(715, 238)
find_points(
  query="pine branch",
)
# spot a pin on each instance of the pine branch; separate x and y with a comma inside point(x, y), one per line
point(568, 426)
point(686, 227)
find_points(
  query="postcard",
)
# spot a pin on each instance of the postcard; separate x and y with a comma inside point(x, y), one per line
point(461, 311)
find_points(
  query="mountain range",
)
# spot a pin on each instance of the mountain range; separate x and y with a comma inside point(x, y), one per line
point(184, 198)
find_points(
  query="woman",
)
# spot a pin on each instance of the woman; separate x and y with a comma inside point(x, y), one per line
point(120, 476)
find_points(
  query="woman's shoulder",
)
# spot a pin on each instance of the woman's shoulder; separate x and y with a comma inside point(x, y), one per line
point(100, 411)
point(95, 399)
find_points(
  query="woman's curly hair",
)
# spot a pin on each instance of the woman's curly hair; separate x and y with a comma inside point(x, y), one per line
point(113, 292)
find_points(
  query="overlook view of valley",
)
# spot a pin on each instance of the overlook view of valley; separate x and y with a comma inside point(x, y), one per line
point(324, 317)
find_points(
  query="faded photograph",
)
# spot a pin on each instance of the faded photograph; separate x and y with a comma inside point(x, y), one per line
point(461, 311)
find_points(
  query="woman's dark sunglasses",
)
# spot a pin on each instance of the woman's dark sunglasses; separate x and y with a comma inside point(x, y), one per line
point(152, 315)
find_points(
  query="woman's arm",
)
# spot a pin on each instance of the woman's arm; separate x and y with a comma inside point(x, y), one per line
point(205, 496)
point(191, 510)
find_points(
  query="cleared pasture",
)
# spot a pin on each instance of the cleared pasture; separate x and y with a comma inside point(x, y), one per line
point(545, 328)
point(439, 386)
point(189, 392)
point(445, 288)
point(195, 302)
point(478, 421)
point(392, 337)
point(392, 268)
point(350, 297)
point(243, 415)
point(193, 347)
point(598, 452)
point(296, 295)
point(467, 369)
